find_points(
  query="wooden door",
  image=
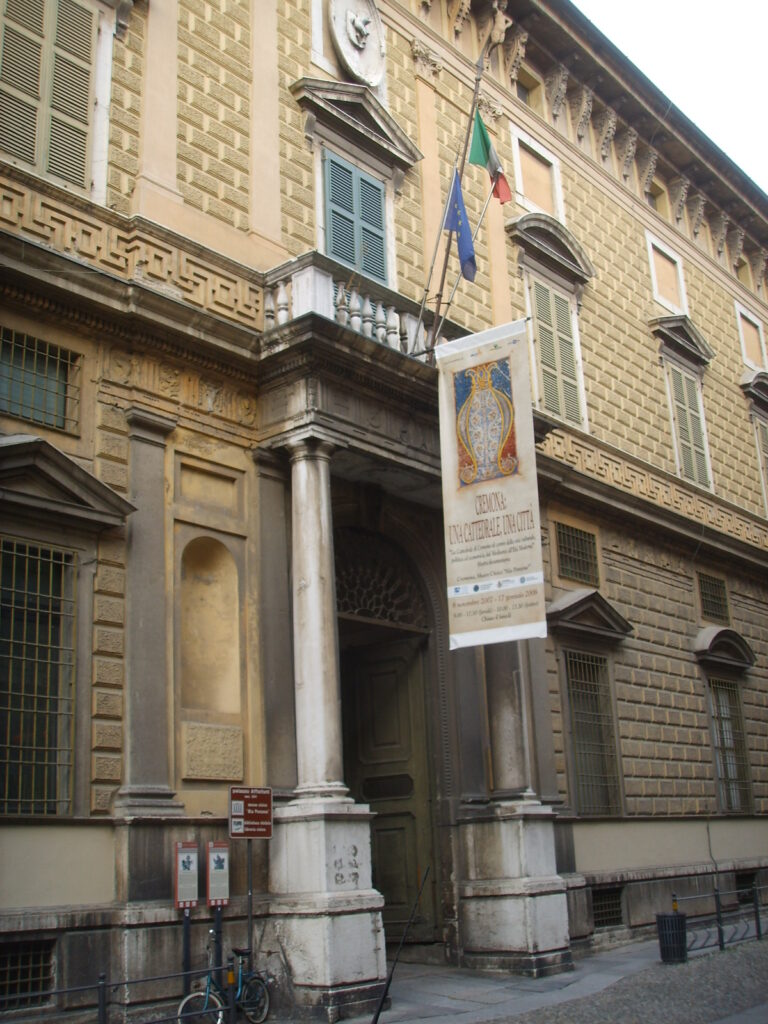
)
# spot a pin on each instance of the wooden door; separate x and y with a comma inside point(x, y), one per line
point(387, 767)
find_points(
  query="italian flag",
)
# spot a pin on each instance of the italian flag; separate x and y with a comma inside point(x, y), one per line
point(483, 154)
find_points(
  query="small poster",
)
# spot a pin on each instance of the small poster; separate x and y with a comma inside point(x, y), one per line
point(185, 875)
point(218, 873)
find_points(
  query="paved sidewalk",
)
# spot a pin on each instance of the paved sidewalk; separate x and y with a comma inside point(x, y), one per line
point(624, 985)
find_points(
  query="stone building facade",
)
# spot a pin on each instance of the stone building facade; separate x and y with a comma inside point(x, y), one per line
point(220, 511)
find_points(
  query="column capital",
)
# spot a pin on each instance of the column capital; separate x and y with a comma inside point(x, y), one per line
point(149, 426)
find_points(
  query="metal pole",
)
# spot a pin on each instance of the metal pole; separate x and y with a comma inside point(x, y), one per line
point(102, 995)
point(756, 902)
point(719, 912)
point(218, 952)
point(231, 1003)
point(186, 952)
point(249, 854)
point(375, 1018)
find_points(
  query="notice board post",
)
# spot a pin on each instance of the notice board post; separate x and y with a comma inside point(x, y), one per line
point(250, 817)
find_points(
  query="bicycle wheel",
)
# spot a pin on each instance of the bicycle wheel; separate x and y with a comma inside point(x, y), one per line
point(255, 1000)
point(201, 1008)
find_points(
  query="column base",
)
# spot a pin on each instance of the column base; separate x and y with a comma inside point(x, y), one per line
point(146, 802)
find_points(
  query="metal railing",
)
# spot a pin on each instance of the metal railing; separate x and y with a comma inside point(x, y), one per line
point(736, 916)
point(28, 1007)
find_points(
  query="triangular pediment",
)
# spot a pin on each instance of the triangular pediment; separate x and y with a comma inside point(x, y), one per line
point(586, 614)
point(678, 335)
point(719, 648)
point(754, 384)
point(39, 483)
point(551, 243)
point(353, 112)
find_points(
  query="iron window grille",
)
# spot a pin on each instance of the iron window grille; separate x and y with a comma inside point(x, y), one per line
point(26, 973)
point(714, 599)
point(592, 725)
point(577, 554)
point(731, 760)
point(37, 678)
point(39, 382)
point(606, 907)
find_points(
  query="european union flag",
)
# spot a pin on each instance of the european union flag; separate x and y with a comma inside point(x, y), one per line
point(456, 220)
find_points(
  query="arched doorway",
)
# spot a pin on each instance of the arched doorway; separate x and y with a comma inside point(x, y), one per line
point(384, 634)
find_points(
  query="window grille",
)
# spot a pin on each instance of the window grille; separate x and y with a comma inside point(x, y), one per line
point(37, 678)
point(606, 908)
point(744, 884)
point(39, 382)
point(577, 554)
point(594, 747)
point(26, 973)
point(714, 599)
point(731, 761)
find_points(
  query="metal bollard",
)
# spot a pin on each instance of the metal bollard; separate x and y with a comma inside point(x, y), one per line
point(756, 904)
point(102, 996)
point(719, 912)
point(231, 1004)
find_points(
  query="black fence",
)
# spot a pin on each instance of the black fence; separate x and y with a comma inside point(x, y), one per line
point(735, 915)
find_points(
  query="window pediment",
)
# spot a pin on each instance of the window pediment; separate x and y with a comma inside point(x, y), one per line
point(719, 648)
point(547, 242)
point(754, 384)
point(42, 484)
point(585, 614)
point(350, 111)
point(678, 336)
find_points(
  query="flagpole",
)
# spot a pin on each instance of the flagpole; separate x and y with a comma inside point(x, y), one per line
point(432, 264)
point(480, 70)
point(458, 276)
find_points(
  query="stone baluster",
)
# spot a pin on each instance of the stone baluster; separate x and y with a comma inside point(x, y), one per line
point(354, 309)
point(381, 323)
point(393, 328)
point(269, 309)
point(342, 315)
point(367, 317)
point(283, 306)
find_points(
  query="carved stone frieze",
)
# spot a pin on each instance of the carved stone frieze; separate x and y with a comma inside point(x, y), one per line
point(626, 147)
point(719, 227)
point(130, 251)
point(696, 208)
point(556, 87)
point(489, 111)
point(678, 193)
point(605, 127)
point(757, 262)
point(514, 53)
point(735, 243)
point(458, 13)
point(656, 488)
point(428, 65)
point(646, 160)
point(580, 102)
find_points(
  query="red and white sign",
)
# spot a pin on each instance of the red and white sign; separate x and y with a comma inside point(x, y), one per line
point(218, 873)
point(185, 876)
point(250, 812)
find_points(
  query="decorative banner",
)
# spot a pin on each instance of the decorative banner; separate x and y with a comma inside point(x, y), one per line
point(490, 495)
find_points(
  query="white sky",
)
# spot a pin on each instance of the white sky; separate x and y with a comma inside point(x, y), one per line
point(708, 58)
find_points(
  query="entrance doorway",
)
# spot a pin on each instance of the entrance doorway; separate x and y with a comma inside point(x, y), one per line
point(387, 765)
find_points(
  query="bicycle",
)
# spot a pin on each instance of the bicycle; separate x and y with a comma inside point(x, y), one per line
point(209, 1005)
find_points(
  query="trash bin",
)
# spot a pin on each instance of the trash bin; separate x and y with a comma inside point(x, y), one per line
point(673, 941)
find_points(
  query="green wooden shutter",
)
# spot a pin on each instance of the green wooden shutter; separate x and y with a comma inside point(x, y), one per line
point(46, 85)
point(354, 204)
point(690, 427)
point(557, 353)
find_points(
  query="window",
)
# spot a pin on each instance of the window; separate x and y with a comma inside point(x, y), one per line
point(47, 86)
point(713, 597)
point(557, 357)
point(37, 677)
point(592, 728)
point(729, 741)
point(354, 217)
point(537, 176)
point(38, 381)
point(26, 973)
point(751, 338)
point(666, 276)
point(688, 421)
point(761, 426)
point(577, 554)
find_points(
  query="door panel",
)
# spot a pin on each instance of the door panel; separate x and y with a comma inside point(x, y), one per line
point(387, 766)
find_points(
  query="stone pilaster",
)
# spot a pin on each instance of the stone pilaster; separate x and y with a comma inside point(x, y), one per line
point(146, 789)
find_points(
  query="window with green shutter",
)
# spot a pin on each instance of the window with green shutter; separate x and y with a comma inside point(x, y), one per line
point(354, 217)
point(689, 426)
point(47, 53)
point(556, 347)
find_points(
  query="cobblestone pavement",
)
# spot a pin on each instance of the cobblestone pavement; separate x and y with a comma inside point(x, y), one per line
point(710, 988)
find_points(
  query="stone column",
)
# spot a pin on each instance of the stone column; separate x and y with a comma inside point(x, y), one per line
point(507, 718)
point(325, 911)
point(315, 635)
point(146, 789)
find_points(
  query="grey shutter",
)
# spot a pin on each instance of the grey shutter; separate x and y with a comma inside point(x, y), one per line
point(372, 228)
point(340, 209)
point(557, 354)
point(354, 204)
point(71, 92)
point(21, 64)
point(690, 428)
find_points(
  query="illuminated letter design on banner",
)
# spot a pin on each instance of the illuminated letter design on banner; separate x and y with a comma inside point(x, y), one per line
point(490, 496)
